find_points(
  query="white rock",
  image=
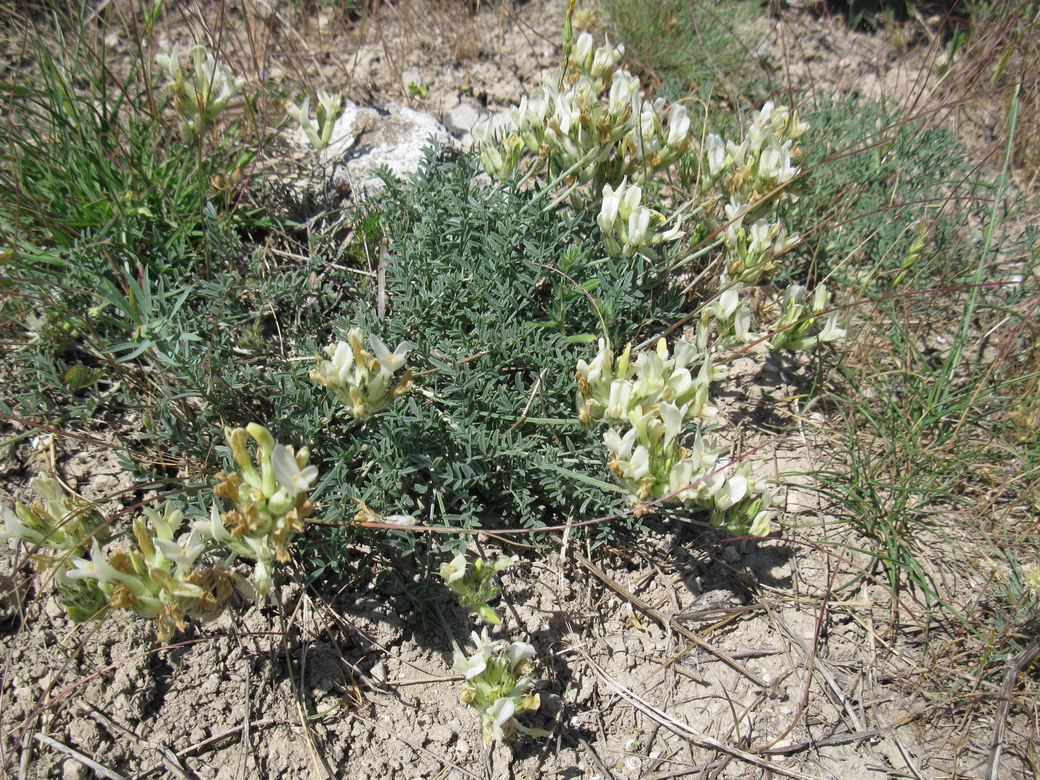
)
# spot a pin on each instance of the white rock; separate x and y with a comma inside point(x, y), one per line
point(365, 138)
point(459, 119)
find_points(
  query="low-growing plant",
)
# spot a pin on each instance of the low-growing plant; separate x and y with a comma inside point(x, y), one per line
point(499, 683)
point(589, 128)
point(161, 576)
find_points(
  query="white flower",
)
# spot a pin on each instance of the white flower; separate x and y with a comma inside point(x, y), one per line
point(583, 49)
point(678, 125)
point(517, 653)
point(389, 362)
point(684, 353)
point(784, 241)
point(737, 154)
point(638, 465)
point(565, 114)
point(171, 62)
point(732, 492)
point(454, 570)
point(672, 416)
point(623, 86)
point(98, 568)
point(474, 665)
point(605, 58)
point(593, 372)
point(724, 306)
point(760, 526)
point(14, 528)
point(214, 527)
point(760, 236)
point(630, 199)
point(741, 324)
point(715, 150)
point(183, 556)
point(761, 118)
point(620, 446)
point(673, 232)
point(680, 477)
point(329, 105)
point(619, 400)
point(638, 224)
point(499, 714)
point(831, 331)
point(609, 210)
point(288, 472)
point(735, 213)
point(794, 295)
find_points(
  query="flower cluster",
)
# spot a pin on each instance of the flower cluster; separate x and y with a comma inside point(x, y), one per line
point(162, 575)
point(202, 96)
point(612, 389)
point(628, 226)
point(754, 175)
point(56, 521)
point(475, 584)
point(798, 317)
point(270, 501)
point(363, 380)
point(589, 122)
point(655, 396)
point(329, 109)
point(157, 580)
point(499, 683)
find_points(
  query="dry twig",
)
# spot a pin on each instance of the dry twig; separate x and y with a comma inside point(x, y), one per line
point(669, 623)
point(683, 729)
point(1015, 668)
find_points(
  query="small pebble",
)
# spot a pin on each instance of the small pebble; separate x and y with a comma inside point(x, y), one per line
point(73, 770)
point(53, 608)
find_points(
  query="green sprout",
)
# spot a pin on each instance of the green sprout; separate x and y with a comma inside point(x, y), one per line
point(202, 96)
point(329, 109)
point(475, 584)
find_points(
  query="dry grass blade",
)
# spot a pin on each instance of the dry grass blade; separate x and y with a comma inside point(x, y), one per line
point(1015, 668)
point(668, 622)
point(844, 739)
point(683, 730)
point(317, 758)
point(210, 741)
point(170, 759)
point(75, 754)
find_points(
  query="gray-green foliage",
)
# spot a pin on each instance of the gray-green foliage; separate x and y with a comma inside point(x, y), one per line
point(489, 437)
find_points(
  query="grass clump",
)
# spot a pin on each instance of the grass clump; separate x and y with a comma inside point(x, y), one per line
point(692, 49)
point(869, 164)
